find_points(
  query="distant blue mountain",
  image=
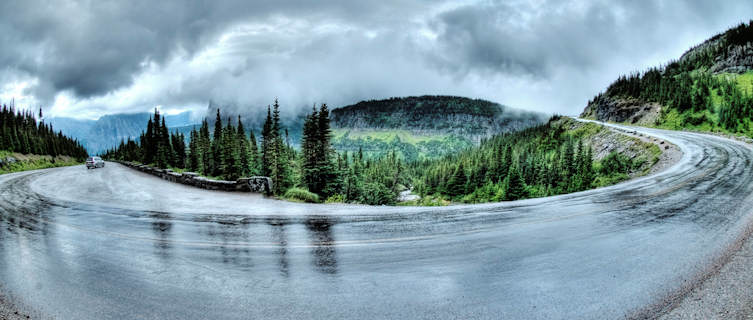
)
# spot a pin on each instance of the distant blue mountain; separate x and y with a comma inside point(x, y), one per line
point(107, 132)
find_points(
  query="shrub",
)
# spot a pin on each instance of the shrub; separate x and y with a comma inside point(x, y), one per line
point(335, 198)
point(616, 163)
point(377, 194)
point(303, 195)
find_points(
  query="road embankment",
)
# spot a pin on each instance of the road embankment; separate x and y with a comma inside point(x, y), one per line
point(255, 184)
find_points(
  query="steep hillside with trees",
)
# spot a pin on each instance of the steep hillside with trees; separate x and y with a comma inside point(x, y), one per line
point(27, 143)
point(474, 118)
point(425, 126)
point(553, 158)
point(710, 88)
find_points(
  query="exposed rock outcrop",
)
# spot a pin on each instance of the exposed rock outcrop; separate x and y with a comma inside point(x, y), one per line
point(628, 110)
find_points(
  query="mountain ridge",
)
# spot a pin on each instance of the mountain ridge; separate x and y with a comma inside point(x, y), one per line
point(107, 131)
point(705, 89)
point(473, 118)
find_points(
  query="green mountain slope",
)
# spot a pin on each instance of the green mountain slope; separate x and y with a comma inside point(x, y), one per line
point(709, 88)
point(425, 126)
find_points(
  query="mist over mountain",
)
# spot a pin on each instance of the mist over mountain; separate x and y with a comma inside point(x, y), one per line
point(107, 131)
point(471, 118)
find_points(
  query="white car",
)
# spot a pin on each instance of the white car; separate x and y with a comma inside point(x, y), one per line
point(95, 162)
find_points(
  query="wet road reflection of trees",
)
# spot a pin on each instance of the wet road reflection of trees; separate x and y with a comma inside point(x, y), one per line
point(279, 237)
point(162, 225)
point(322, 240)
point(231, 236)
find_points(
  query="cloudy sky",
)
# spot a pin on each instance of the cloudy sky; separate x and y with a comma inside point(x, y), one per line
point(89, 58)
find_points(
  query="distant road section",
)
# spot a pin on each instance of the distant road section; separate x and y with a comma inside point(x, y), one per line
point(116, 243)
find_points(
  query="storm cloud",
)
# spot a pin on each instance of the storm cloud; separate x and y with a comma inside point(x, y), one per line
point(88, 58)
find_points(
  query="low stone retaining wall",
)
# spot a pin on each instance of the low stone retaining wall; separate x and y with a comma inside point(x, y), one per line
point(256, 184)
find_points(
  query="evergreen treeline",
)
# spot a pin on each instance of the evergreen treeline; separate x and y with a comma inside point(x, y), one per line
point(539, 161)
point(21, 132)
point(345, 177)
point(228, 154)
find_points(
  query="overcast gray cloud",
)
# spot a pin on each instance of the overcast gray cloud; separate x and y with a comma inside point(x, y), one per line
point(88, 58)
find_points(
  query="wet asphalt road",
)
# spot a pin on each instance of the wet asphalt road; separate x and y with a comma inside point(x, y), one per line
point(116, 243)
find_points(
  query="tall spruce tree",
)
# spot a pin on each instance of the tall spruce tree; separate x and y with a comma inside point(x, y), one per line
point(216, 159)
point(309, 148)
point(254, 158)
point(204, 146)
point(193, 151)
point(514, 184)
point(147, 143)
point(230, 157)
point(326, 164)
point(267, 142)
point(456, 184)
point(244, 161)
point(281, 166)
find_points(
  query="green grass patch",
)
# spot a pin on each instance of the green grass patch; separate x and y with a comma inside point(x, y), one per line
point(586, 130)
point(386, 135)
point(33, 162)
point(301, 195)
point(335, 198)
point(408, 145)
point(743, 81)
point(427, 201)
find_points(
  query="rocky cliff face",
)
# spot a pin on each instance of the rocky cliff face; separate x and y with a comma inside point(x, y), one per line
point(726, 57)
point(629, 110)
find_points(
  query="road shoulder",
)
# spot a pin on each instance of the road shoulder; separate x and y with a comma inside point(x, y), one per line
point(726, 292)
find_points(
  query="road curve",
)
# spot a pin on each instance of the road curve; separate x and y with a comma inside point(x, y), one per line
point(116, 243)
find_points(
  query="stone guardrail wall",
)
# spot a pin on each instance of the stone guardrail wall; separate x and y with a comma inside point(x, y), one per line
point(255, 184)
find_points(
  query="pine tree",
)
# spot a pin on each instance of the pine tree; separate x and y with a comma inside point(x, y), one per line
point(147, 144)
point(281, 167)
point(329, 180)
point(506, 162)
point(588, 169)
point(457, 183)
point(254, 158)
point(514, 184)
point(178, 143)
point(215, 162)
point(309, 142)
point(230, 156)
point(165, 153)
point(21, 132)
point(267, 143)
point(193, 151)
point(204, 147)
point(244, 161)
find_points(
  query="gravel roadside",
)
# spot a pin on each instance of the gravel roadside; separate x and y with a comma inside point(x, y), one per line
point(11, 311)
point(726, 293)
